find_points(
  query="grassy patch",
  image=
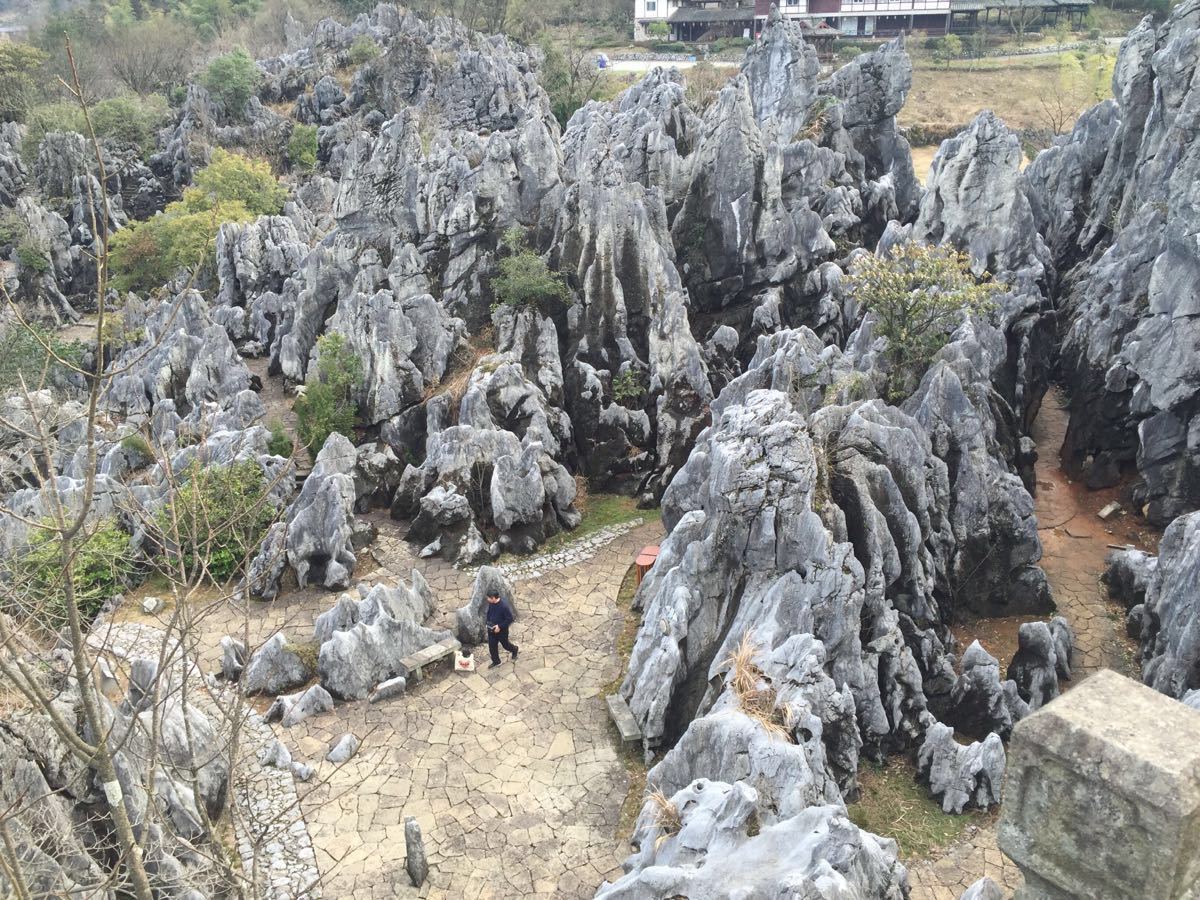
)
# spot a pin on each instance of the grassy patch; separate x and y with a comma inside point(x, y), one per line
point(602, 511)
point(629, 627)
point(1014, 88)
point(630, 755)
point(893, 804)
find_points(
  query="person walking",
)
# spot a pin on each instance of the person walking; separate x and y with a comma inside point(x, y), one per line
point(499, 618)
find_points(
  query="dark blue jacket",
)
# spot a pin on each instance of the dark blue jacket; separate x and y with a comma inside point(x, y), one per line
point(500, 614)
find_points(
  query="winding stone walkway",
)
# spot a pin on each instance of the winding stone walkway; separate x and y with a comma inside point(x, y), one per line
point(1074, 542)
point(514, 774)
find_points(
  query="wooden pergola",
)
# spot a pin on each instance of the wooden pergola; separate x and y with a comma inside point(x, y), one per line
point(970, 15)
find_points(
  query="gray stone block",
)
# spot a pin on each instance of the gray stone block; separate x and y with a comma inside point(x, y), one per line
point(1102, 798)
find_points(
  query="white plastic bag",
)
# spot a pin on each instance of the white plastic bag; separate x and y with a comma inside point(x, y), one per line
point(464, 662)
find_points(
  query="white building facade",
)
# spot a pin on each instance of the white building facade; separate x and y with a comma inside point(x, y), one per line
point(689, 19)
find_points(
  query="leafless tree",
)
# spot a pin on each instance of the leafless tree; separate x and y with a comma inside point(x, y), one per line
point(150, 56)
point(92, 659)
point(1022, 15)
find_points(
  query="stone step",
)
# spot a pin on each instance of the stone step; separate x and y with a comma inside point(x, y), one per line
point(619, 712)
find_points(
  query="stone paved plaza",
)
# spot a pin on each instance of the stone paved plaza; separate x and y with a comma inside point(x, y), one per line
point(513, 773)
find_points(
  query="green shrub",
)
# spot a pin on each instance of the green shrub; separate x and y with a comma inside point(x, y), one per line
point(33, 257)
point(918, 294)
point(302, 148)
point(102, 565)
point(524, 278)
point(138, 446)
point(233, 79)
point(25, 359)
point(629, 385)
point(279, 444)
point(948, 48)
point(231, 188)
point(658, 30)
point(328, 402)
point(129, 121)
point(19, 65)
point(221, 513)
point(232, 177)
point(363, 50)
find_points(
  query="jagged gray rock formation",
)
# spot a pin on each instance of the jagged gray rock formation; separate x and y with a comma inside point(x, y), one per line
point(711, 837)
point(314, 536)
point(1129, 574)
point(1170, 634)
point(274, 668)
point(58, 822)
point(361, 643)
point(979, 702)
point(975, 200)
point(1127, 355)
point(1043, 656)
point(983, 889)
point(292, 709)
point(962, 776)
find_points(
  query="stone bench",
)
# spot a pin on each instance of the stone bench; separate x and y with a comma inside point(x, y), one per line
point(1102, 795)
point(619, 712)
point(412, 667)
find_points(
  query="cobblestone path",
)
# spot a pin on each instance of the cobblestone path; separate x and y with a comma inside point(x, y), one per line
point(1074, 542)
point(513, 773)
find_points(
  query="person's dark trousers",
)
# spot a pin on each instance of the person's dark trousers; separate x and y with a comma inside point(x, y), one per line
point(495, 641)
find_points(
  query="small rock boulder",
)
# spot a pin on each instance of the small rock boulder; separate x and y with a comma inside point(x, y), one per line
point(275, 667)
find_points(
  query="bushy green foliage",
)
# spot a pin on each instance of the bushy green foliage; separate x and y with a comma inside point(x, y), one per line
point(231, 188)
point(363, 50)
point(221, 513)
point(948, 47)
point(19, 65)
point(918, 294)
point(279, 444)
point(629, 385)
point(231, 177)
point(102, 564)
point(129, 121)
point(232, 79)
point(25, 359)
point(138, 446)
point(658, 30)
point(524, 278)
point(328, 402)
point(32, 257)
point(302, 148)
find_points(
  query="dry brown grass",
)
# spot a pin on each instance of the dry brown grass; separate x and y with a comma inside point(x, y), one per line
point(667, 816)
point(581, 494)
point(943, 99)
point(463, 364)
point(744, 676)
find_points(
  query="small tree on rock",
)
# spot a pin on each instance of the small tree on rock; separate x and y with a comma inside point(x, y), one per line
point(918, 295)
point(232, 79)
point(328, 401)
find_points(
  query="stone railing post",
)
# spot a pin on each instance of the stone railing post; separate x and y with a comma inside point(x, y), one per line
point(1102, 795)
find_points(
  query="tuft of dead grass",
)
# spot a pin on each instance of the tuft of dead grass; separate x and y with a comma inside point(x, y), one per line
point(462, 366)
point(581, 494)
point(666, 816)
point(744, 677)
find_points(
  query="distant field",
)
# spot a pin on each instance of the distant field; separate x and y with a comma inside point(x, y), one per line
point(1018, 90)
